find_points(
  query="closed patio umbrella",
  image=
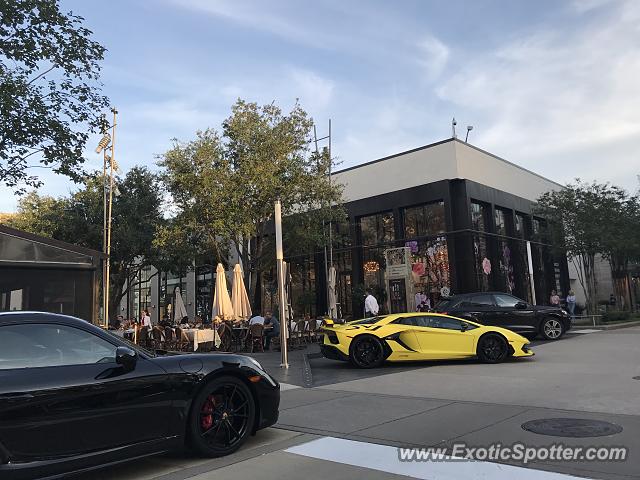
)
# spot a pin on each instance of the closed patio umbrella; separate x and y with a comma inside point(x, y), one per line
point(331, 285)
point(239, 297)
point(179, 311)
point(222, 307)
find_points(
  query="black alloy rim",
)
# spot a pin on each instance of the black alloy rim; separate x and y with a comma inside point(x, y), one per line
point(493, 348)
point(224, 416)
point(367, 352)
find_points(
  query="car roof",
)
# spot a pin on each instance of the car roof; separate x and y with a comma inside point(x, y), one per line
point(20, 316)
point(462, 295)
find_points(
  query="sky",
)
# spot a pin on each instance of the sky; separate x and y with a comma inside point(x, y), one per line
point(550, 85)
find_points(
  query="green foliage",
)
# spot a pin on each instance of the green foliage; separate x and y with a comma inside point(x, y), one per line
point(49, 90)
point(224, 186)
point(589, 219)
point(78, 219)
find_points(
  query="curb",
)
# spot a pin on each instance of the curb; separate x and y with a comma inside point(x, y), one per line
point(614, 326)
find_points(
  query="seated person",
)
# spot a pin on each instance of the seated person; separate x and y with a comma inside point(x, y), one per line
point(184, 321)
point(271, 329)
point(257, 320)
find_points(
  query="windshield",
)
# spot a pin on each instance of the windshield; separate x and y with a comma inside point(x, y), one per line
point(131, 344)
point(444, 304)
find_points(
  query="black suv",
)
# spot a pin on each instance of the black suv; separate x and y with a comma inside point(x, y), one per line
point(504, 310)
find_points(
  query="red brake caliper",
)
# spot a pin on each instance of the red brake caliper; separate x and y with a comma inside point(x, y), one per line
point(206, 419)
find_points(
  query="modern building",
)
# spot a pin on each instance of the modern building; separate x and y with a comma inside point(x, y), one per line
point(464, 217)
point(38, 273)
point(440, 219)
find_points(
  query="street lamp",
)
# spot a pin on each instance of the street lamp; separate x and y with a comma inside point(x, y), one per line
point(107, 147)
point(469, 128)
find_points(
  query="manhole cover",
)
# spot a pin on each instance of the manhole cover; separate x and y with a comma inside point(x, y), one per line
point(571, 427)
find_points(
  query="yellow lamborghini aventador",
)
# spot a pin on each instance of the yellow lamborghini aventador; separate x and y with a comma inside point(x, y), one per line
point(399, 337)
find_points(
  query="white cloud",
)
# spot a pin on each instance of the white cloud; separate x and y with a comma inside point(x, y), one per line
point(314, 91)
point(552, 99)
point(435, 56)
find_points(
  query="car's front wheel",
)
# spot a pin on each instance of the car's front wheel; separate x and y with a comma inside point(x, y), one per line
point(551, 328)
point(366, 352)
point(492, 348)
point(222, 417)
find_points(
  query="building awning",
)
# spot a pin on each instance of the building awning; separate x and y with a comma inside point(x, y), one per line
point(24, 249)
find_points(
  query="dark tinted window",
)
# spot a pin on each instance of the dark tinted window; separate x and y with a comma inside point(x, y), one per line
point(506, 300)
point(41, 345)
point(413, 321)
point(445, 322)
point(483, 300)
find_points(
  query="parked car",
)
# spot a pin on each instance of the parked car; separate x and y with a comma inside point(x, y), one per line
point(404, 337)
point(503, 310)
point(74, 397)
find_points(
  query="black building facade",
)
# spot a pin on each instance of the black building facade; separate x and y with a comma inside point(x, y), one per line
point(462, 236)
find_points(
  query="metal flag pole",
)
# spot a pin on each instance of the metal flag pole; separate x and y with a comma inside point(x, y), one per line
point(281, 294)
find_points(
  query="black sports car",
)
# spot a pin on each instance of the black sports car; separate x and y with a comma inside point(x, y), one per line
point(503, 310)
point(75, 397)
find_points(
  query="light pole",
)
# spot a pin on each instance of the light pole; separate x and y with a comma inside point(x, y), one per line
point(107, 144)
point(469, 128)
point(281, 295)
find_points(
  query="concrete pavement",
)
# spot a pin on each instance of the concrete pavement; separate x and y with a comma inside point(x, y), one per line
point(350, 428)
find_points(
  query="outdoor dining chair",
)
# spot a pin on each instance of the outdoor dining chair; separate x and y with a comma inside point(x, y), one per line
point(226, 337)
point(255, 337)
point(183, 343)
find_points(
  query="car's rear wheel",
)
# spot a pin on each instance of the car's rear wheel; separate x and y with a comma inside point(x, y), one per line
point(366, 352)
point(222, 417)
point(551, 328)
point(492, 348)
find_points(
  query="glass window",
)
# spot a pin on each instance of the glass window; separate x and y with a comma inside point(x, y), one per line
point(501, 222)
point(520, 226)
point(376, 229)
point(506, 301)
point(479, 213)
point(41, 345)
point(413, 321)
point(482, 300)
point(424, 220)
point(445, 322)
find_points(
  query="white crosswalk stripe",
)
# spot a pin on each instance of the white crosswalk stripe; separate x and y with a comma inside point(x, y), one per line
point(384, 458)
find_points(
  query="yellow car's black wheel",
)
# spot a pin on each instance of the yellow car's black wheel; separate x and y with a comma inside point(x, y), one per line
point(492, 348)
point(366, 352)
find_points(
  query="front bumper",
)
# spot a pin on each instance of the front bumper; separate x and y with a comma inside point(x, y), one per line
point(268, 396)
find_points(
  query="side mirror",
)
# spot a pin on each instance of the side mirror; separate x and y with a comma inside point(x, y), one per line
point(521, 306)
point(126, 357)
point(464, 326)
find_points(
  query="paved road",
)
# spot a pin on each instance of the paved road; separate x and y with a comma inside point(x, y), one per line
point(350, 427)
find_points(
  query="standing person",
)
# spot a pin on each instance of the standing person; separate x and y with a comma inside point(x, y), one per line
point(371, 306)
point(571, 303)
point(554, 299)
point(146, 318)
point(271, 329)
point(420, 299)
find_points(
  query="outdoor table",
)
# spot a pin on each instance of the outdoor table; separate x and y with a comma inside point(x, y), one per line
point(198, 336)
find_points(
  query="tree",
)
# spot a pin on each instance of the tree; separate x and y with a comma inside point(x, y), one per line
point(224, 186)
point(621, 241)
point(78, 219)
point(49, 90)
point(589, 220)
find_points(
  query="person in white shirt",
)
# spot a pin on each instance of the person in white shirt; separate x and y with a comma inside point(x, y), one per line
point(146, 318)
point(371, 306)
point(258, 319)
